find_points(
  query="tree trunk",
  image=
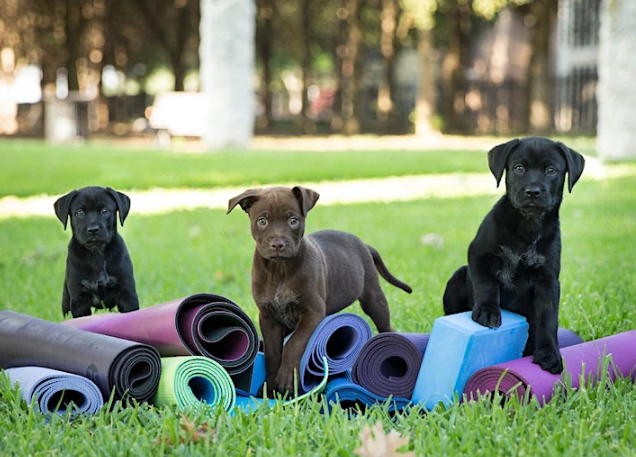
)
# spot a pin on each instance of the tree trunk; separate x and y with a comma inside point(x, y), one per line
point(541, 14)
point(265, 35)
point(73, 41)
point(227, 65)
point(350, 70)
point(426, 87)
point(454, 65)
point(306, 124)
point(616, 92)
point(387, 39)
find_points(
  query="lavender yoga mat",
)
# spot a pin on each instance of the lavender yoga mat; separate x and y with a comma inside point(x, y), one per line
point(129, 369)
point(56, 392)
point(338, 338)
point(389, 363)
point(203, 324)
point(583, 362)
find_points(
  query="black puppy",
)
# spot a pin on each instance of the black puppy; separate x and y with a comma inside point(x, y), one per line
point(515, 259)
point(99, 271)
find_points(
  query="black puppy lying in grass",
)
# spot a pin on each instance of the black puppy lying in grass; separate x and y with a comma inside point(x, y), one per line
point(515, 259)
point(99, 272)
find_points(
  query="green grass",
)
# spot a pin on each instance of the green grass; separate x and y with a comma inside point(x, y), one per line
point(31, 168)
point(182, 253)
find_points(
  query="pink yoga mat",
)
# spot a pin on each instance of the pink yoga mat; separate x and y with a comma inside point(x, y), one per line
point(204, 324)
point(611, 357)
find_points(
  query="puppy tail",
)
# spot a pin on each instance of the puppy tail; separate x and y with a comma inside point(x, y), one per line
point(384, 271)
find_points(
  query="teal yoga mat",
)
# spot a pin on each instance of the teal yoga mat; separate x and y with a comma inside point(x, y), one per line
point(192, 381)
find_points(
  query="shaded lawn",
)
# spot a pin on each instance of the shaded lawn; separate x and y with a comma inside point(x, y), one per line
point(34, 167)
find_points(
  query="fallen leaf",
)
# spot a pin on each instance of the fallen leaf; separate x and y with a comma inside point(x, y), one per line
point(376, 444)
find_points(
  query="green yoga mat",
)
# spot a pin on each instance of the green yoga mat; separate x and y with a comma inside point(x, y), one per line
point(194, 380)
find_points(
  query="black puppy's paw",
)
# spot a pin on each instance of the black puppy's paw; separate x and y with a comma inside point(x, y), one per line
point(487, 317)
point(549, 360)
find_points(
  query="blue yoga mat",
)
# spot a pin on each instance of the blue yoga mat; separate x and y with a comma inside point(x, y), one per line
point(338, 338)
point(344, 393)
point(56, 392)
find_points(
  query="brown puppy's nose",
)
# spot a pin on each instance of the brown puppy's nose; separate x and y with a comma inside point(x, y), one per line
point(277, 243)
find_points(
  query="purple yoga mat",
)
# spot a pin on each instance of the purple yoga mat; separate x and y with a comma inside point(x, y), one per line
point(338, 338)
point(204, 324)
point(585, 361)
point(389, 363)
point(567, 338)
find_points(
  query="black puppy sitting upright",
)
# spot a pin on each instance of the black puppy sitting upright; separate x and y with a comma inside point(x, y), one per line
point(515, 259)
point(99, 271)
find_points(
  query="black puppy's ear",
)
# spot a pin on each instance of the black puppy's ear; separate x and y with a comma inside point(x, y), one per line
point(123, 203)
point(575, 162)
point(306, 197)
point(246, 200)
point(498, 157)
point(62, 207)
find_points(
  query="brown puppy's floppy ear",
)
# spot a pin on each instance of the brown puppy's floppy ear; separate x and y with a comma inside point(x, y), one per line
point(62, 207)
point(123, 203)
point(498, 156)
point(575, 162)
point(246, 200)
point(306, 197)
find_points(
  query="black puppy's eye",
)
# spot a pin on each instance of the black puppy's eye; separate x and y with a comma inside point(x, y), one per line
point(519, 169)
point(105, 211)
point(550, 171)
point(262, 221)
point(79, 213)
point(294, 221)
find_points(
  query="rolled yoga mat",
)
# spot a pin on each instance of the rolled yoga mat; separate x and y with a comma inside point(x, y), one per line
point(203, 324)
point(389, 363)
point(338, 338)
point(129, 369)
point(56, 392)
point(567, 338)
point(583, 362)
point(346, 394)
point(251, 403)
point(188, 381)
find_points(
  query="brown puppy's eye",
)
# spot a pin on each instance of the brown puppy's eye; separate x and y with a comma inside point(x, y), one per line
point(79, 213)
point(294, 221)
point(261, 221)
point(550, 171)
point(519, 169)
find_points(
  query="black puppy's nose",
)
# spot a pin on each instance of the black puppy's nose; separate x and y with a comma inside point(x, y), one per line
point(93, 229)
point(533, 191)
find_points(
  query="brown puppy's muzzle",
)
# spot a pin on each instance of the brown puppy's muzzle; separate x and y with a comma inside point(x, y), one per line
point(274, 247)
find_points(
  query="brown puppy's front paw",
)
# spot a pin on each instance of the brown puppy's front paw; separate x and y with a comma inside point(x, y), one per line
point(284, 383)
point(487, 317)
point(549, 360)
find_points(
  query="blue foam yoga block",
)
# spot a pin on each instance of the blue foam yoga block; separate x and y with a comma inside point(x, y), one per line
point(459, 346)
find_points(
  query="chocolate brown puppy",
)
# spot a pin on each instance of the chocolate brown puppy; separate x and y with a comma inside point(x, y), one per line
point(297, 280)
point(514, 261)
point(99, 271)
